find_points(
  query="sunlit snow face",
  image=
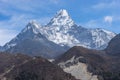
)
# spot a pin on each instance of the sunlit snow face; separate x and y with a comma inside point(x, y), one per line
point(62, 18)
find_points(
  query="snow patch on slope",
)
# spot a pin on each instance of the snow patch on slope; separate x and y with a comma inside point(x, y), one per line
point(77, 69)
point(80, 72)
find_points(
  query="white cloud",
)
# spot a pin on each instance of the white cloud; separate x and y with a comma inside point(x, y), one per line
point(15, 21)
point(108, 19)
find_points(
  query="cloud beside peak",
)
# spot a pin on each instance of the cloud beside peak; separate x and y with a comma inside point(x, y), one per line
point(108, 19)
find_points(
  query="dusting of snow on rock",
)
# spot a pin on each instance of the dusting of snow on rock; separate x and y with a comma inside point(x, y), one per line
point(51, 60)
point(31, 29)
point(101, 37)
point(32, 25)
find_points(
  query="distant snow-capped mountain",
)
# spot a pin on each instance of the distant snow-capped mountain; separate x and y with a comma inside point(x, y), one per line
point(63, 31)
point(30, 41)
point(59, 34)
point(29, 32)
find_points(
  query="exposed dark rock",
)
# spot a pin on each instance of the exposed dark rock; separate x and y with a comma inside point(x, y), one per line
point(114, 46)
point(22, 67)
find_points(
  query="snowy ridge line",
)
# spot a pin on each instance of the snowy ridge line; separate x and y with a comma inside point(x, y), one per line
point(63, 31)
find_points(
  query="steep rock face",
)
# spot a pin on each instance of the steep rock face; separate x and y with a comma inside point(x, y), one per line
point(29, 32)
point(37, 48)
point(22, 67)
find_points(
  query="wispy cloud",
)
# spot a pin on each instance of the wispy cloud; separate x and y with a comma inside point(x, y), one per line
point(13, 22)
point(104, 22)
point(6, 35)
point(14, 7)
point(92, 24)
point(108, 22)
point(55, 1)
point(116, 18)
point(27, 5)
point(114, 4)
point(26, 9)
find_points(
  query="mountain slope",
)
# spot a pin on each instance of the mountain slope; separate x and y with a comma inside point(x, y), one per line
point(22, 67)
point(114, 46)
point(0, 48)
point(88, 64)
point(37, 48)
point(29, 32)
point(82, 63)
point(30, 41)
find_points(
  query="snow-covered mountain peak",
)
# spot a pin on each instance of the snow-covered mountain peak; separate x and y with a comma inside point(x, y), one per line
point(61, 18)
point(63, 12)
point(63, 31)
point(32, 25)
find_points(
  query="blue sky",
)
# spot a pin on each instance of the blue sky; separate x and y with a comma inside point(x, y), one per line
point(15, 14)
